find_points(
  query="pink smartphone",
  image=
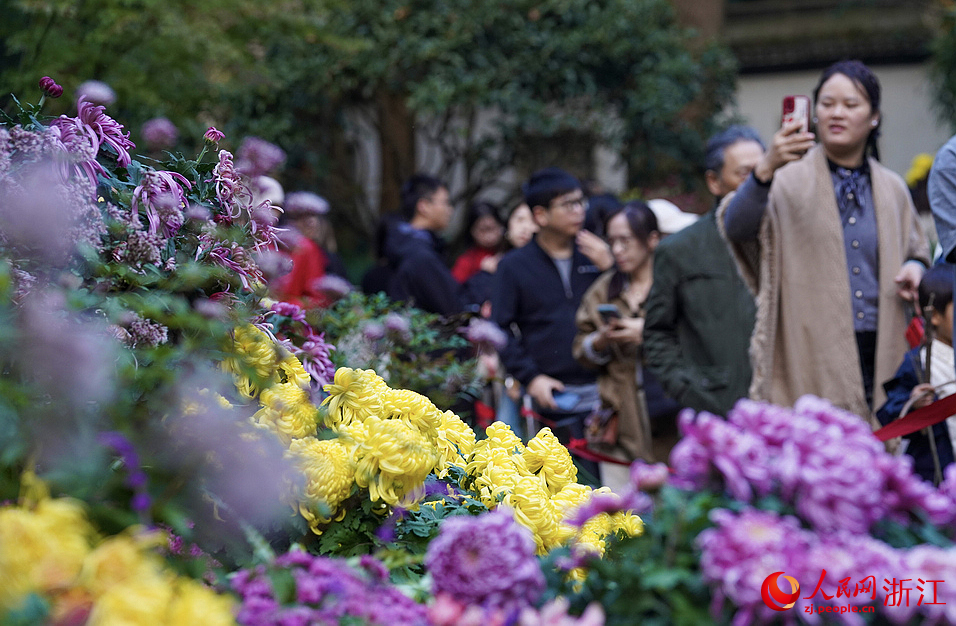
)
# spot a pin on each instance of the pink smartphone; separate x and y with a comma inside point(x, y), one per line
point(797, 108)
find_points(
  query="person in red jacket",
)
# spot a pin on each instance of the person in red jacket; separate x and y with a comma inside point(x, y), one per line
point(486, 232)
point(304, 212)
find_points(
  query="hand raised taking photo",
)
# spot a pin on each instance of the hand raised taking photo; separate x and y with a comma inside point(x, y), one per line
point(789, 144)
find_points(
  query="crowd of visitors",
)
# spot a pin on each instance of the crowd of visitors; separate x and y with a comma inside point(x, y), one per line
point(802, 279)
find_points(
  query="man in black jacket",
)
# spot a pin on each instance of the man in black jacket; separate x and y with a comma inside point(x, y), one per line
point(699, 312)
point(537, 292)
point(418, 275)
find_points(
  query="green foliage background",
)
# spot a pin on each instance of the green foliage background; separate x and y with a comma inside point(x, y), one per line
point(327, 79)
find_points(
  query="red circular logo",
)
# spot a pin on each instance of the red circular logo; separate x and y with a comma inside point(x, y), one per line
point(776, 598)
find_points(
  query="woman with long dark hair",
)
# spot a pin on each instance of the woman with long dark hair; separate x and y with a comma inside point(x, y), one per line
point(828, 240)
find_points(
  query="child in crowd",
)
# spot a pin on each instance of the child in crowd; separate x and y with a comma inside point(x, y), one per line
point(936, 291)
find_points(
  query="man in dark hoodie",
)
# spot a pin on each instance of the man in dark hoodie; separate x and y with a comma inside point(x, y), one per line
point(418, 274)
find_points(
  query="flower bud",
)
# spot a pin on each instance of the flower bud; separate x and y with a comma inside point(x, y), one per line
point(649, 477)
point(213, 135)
point(50, 88)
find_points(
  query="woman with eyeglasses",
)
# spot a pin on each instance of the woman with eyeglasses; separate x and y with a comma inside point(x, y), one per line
point(828, 240)
point(610, 325)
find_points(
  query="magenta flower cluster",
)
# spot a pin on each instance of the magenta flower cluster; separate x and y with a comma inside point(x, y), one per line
point(484, 334)
point(839, 569)
point(257, 157)
point(160, 132)
point(823, 461)
point(488, 561)
point(327, 591)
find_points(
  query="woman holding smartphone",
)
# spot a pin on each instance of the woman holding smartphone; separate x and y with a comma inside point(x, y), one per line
point(610, 324)
point(828, 240)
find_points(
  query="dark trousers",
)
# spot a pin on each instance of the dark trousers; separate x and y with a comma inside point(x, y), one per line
point(866, 345)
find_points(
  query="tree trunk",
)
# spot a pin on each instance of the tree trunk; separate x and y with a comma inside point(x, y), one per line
point(396, 126)
point(706, 16)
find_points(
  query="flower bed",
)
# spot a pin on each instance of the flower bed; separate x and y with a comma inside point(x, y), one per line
point(153, 388)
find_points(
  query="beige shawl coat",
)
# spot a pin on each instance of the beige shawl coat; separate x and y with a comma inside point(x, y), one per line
point(803, 341)
point(617, 383)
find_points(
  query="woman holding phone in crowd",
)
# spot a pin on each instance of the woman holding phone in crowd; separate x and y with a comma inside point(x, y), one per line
point(828, 240)
point(610, 324)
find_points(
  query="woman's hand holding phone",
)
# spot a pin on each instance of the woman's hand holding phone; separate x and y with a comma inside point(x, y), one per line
point(629, 330)
point(789, 144)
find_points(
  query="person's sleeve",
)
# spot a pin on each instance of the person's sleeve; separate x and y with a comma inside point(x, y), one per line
point(941, 189)
point(662, 350)
point(431, 287)
point(582, 348)
point(898, 390)
point(504, 308)
point(745, 211)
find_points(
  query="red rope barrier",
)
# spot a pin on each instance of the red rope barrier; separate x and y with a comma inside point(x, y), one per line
point(929, 415)
point(577, 447)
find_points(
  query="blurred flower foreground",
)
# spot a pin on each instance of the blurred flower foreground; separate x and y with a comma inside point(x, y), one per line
point(177, 448)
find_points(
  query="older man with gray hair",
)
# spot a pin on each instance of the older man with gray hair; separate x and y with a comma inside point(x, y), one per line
point(699, 312)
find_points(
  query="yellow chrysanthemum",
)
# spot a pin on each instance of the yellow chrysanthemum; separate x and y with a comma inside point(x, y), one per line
point(291, 371)
point(551, 461)
point(565, 502)
point(132, 603)
point(919, 169)
point(256, 351)
point(121, 559)
point(328, 474)
point(499, 435)
point(288, 411)
point(203, 401)
point(591, 536)
point(392, 459)
point(414, 408)
point(353, 395)
point(627, 524)
point(533, 509)
point(496, 472)
point(483, 456)
point(41, 549)
point(194, 603)
point(456, 440)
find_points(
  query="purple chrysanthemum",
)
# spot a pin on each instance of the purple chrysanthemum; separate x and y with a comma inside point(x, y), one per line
point(332, 286)
point(822, 460)
point(159, 132)
point(107, 130)
point(257, 157)
point(487, 560)
point(485, 335)
point(373, 331)
point(213, 135)
point(648, 477)
point(96, 92)
point(326, 591)
point(233, 194)
point(397, 326)
point(287, 309)
point(163, 196)
point(315, 355)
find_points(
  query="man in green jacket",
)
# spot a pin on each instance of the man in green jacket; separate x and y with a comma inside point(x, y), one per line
point(699, 312)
